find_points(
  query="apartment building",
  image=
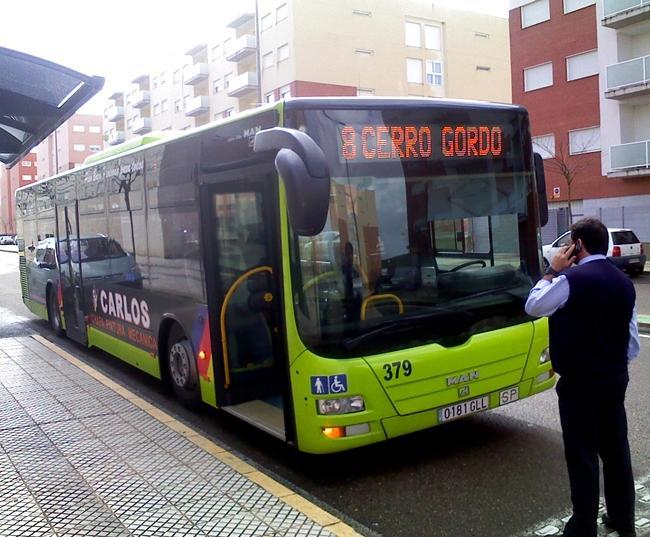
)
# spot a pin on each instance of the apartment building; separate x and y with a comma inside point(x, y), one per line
point(560, 53)
point(21, 174)
point(67, 147)
point(318, 48)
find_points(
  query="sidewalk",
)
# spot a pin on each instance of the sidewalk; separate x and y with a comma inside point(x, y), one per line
point(82, 456)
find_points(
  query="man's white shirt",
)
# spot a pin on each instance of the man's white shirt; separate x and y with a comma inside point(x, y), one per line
point(548, 297)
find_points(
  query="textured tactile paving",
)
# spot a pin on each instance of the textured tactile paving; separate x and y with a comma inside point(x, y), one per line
point(78, 459)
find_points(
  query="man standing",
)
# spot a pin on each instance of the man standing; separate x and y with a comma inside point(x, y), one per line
point(593, 335)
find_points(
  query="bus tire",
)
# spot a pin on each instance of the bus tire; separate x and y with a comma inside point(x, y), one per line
point(182, 369)
point(53, 312)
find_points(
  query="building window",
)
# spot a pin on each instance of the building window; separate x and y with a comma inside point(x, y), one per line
point(27, 177)
point(267, 22)
point(129, 123)
point(178, 106)
point(26, 163)
point(155, 82)
point(432, 37)
point(156, 109)
point(94, 148)
point(534, 13)
point(164, 105)
point(281, 13)
point(540, 76)
point(163, 78)
point(544, 145)
point(434, 73)
point(582, 65)
point(267, 60)
point(78, 128)
point(227, 80)
point(177, 76)
point(269, 97)
point(365, 92)
point(216, 52)
point(413, 34)
point(483, 68)
point(574, 5)
point(283, 52)
point(584, 140)
point(414, 71)
point(94, 129)
point(227, 113)
point(227, 47)
point(217, 85)
point(79, 147)
point(285, 92)
point(482, 35)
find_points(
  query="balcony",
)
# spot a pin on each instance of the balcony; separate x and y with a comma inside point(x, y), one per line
point(197, 106)
point(241, 19)
point(115, 113)
point(196, 73)
point(621, 13)
point(242, 47)
point(627, 79)
point(140, 99)
point(116, 137)
point(142, 125)
point(629, 159)
point(243, 84)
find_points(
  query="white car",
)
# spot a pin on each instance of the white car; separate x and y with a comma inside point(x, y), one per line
point(625, 250)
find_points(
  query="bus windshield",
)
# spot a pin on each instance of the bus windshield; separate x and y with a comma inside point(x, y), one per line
point(417, 248)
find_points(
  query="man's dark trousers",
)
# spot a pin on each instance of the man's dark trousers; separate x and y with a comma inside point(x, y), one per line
point(594, 423)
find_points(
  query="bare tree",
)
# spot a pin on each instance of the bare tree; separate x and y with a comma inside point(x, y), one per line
point(566, 161)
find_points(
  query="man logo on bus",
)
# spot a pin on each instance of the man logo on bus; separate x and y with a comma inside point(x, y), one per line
point(118, 305)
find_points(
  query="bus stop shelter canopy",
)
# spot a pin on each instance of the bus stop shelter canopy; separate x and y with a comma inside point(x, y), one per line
point(36, 96)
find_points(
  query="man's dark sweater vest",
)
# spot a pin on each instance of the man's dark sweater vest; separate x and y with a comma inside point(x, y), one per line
point(589, 336)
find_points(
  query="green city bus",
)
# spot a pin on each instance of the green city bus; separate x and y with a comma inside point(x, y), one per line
point(334, 271)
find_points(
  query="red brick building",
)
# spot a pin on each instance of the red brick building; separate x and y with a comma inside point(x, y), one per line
point(21, 174)
point(556, 66)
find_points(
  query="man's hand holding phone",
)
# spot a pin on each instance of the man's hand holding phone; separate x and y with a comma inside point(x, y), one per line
point(564, 258)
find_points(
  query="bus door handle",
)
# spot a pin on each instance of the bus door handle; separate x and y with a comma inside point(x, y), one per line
point(222, 317)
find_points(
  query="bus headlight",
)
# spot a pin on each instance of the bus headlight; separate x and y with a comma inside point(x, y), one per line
point(545, 356)
point(342, 405)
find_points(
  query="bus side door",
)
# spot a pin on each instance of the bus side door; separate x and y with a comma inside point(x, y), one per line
point(241, 237)
point(70, 258)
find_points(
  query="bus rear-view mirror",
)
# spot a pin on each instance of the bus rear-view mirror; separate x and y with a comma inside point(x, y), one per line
point(304, 170)
point(540, 180)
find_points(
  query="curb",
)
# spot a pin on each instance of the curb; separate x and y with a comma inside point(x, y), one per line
point(328, 521)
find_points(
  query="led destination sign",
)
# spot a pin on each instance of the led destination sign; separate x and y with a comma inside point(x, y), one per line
point(413, 142)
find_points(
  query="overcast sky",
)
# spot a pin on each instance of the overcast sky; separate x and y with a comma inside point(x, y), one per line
point(123, 38)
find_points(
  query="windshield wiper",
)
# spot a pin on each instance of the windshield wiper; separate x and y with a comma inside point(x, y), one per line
point(400, 324)
point(498, 290)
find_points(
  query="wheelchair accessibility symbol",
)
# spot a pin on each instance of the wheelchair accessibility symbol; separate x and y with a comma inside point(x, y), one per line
point(325, 385)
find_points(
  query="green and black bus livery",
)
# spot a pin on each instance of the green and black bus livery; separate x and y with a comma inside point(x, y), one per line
point(335, 271)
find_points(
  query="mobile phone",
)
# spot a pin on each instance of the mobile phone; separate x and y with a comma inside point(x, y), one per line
point(578, 247)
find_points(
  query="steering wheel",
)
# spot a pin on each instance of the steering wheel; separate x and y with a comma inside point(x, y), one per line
point(469, 264)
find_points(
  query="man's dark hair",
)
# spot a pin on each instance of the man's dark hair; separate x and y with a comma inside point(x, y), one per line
point(593, 234)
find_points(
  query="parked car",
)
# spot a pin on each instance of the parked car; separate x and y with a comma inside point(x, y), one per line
point(625, 250)
point(7, 239)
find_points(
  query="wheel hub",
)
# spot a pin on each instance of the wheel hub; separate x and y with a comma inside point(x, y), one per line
point(179, 364)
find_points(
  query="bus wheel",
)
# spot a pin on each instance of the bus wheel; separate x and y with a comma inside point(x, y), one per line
point(182, 370)
point(53, 313)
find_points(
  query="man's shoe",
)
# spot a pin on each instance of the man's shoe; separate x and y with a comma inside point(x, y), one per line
point(612, 526)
